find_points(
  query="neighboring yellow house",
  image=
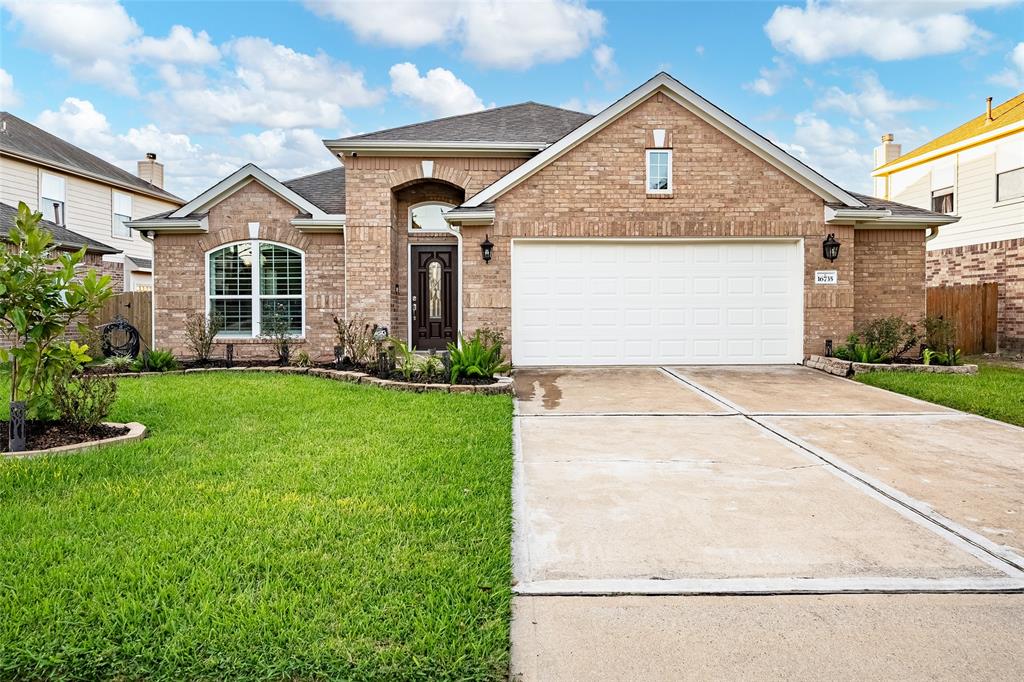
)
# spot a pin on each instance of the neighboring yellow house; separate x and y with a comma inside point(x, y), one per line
point(85, 195)
point(975, 172)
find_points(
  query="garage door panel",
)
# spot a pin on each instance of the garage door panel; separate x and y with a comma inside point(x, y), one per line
point(659, 302)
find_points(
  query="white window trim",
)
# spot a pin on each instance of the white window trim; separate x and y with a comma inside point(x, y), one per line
point(63, 200)
point(647, 171)
point(113, 214)
point(1011, 200)
point(443, 230)
point(255, 296)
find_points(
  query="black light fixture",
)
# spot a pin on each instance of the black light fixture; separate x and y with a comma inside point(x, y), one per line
point(229, 355)
point(828, 348)
point(487, 248)
point(830, 248)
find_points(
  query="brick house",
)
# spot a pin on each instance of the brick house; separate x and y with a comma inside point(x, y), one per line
point(661, 230)
point(83, 199)
point(976, 173)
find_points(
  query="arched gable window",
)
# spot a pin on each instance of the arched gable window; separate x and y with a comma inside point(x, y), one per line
point(429, 216)
point(256, 288)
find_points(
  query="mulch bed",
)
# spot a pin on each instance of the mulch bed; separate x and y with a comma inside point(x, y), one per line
point(45, 435)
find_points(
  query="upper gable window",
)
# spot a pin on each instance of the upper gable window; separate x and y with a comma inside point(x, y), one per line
point(659, 171)
point(122, 213)
point(429, 216)
point(51, 198)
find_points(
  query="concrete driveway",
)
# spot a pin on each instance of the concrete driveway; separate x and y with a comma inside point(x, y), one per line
point(820, 513)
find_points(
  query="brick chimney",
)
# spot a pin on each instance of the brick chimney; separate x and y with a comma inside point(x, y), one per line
point(151, 170)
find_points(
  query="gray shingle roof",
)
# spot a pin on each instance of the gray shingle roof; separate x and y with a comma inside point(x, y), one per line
point(21, 138)
point(326, 189)
point(897, 209)
point(526, 122)
point(61, 235)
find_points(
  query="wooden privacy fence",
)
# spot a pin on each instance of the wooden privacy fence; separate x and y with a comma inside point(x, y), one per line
point(134, 306)
point(973, 308)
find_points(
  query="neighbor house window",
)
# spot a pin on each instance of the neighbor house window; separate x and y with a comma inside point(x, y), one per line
point(1010, 185)
point(253, 286)
point(942, 200)
point(51, 198)
point(429, 216)
point(122, 214)
point(659, 171)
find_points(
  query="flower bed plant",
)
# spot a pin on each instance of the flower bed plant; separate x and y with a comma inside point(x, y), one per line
point(43, 296)
point(892, 340)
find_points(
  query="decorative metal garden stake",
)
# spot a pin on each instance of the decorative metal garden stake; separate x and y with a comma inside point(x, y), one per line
point(16, 428)
point(828, 348)
point(830, 248)
point(230, 351)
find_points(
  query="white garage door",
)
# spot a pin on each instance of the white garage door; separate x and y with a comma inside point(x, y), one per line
point(641, 302)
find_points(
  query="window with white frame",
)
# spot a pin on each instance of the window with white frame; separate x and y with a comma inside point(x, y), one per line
point(943, 182)
point(122, 213)
point(429, 216)
point(1010, 169)
point(51, 198)
point(659, 171)
point(256, 288)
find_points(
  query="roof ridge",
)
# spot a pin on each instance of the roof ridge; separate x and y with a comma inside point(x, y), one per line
point(61, 141)
point(314, 173)
point(455, 116)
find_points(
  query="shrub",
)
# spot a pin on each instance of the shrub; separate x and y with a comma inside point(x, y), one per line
point(355, 337)
point(476, 357)
point(277, 327)
point(302, 359)
point(939, 332)
point(120, 363)
point(83, 400)
point(432, 366)
point(42, 294)
point(408, 363)
point(200, 331)
point(891, 336)
point(856, 350)
point(155, 360)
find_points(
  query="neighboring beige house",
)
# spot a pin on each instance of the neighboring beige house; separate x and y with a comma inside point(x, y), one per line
point(661, 230)
point(975, 172)
point(84, 195)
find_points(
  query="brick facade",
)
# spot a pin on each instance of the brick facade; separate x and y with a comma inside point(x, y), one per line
point(1001, 262)
point(595, 190)
point(180, 271)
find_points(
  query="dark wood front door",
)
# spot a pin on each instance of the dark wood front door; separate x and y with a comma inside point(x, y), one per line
point(435, 297)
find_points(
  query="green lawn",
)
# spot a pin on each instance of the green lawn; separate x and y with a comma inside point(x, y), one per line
point(996, 391)
point(272, 527)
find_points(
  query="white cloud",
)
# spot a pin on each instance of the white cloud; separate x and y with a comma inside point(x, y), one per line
point(881, 30)
point(98, 42)
point(604, 62)
point(589, 106)
point(439, 91)
point(190, 166)
point(8, 95)
point(834, 151)
point(771, 79)
point(871, 100)
point(1012, 76)
point(699, 50)
point(275, 86)
point(492, 33)
point(180, 45)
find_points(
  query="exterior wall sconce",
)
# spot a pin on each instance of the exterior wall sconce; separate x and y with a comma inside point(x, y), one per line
point(830, 248)
point(487, 248)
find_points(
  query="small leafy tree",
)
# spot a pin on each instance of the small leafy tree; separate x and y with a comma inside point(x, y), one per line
point(42, 294)
point(276, 326)
point(200, 331)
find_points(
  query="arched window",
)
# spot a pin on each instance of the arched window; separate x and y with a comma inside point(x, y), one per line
point(256, 288)
point(429, 216)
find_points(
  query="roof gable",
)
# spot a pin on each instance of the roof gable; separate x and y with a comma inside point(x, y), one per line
point(696, 104)
point(22, 139)
point(243, 176)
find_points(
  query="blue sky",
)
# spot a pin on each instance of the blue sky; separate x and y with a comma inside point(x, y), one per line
point(212, 85)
